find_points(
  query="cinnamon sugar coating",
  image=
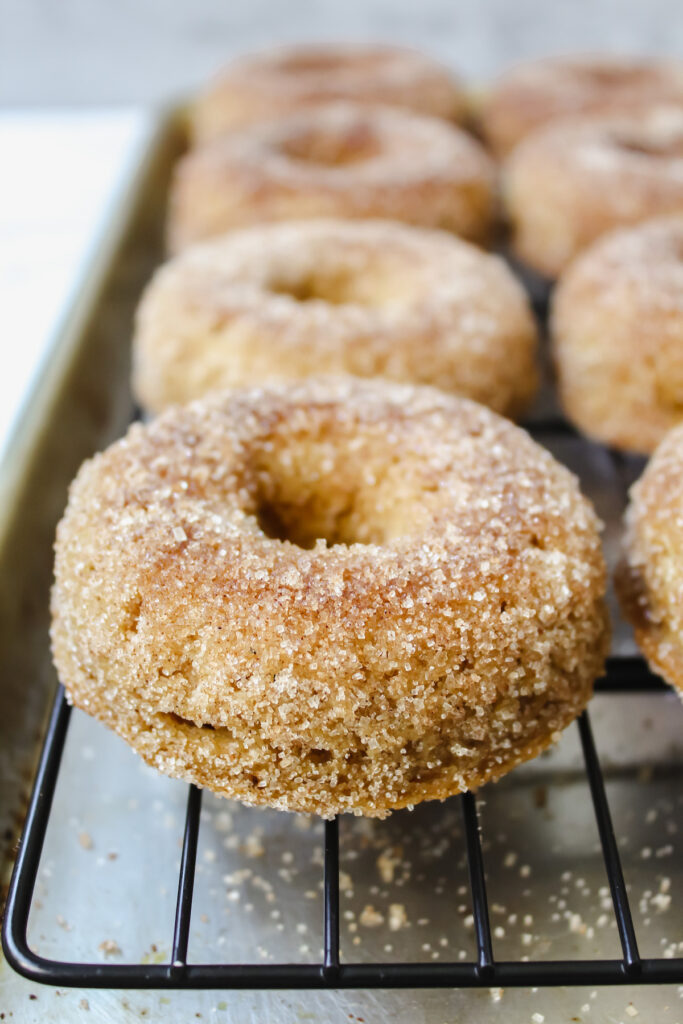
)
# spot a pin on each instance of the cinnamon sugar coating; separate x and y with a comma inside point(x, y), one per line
point(266, 86)
point(567, 184)
point(286, 301)
point(433, 616)
point(650, 579)
point(336, 160)
point(531, 95)
point(617, 329)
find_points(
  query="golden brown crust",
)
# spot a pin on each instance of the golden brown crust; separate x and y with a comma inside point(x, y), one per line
point(533, 94)
point(650, 580)
point(450, 625)
point(371, 298)
point(339, 160)
point(617, 331)
point(273, 84)
point(567, 184)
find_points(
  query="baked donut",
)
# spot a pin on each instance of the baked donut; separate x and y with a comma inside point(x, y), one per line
point(338, 160)
point(266, 86)
point(532, 94)
point(617, 331)
point(567, 184)
point(371, 298)
point(650, 578)
point(337, 595)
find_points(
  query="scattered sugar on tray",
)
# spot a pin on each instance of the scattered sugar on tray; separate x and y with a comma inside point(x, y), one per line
point(110, 948)
point(661, 901)
point(253, 846)
point(345, 883)
point(85, 840)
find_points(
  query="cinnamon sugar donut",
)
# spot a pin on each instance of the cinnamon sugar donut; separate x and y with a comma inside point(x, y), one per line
point(532, 94)
point(266, 86)
point(339, 595)
point(371, 298)
point(567, 184)
point(617, 329)
point(650, 579)
point(338, 160)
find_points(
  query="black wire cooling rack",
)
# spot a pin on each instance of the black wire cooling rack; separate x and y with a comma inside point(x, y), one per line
point(623, 674)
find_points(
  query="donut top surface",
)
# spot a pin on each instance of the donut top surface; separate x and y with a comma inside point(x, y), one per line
point(336, 501)
point(346, 143)
point(642, 146)
point(531, 95)
point(266, 85)
point(642, 263)
point(337, 159)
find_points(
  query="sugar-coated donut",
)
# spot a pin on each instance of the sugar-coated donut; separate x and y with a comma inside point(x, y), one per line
point(567, 184)
point(338, 160)
point(650, 579)
point(338, 595)
point(532, 94)
point(269, 85)
point(371, 298)
point(617, 329)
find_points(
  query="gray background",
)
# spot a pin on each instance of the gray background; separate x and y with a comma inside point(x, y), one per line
point(78, 52)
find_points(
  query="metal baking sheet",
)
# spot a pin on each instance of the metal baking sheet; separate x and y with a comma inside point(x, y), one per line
point(109, 870)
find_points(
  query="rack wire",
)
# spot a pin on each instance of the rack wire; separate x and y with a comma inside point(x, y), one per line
point(623, 674)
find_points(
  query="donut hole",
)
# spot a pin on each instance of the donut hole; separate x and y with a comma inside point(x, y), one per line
point(663, 147)
point(303, 494)
point(607, 76)
point(350, 145)
point(306, 521)
point(668, 384)
point(373, 288)
point(336, 289)
point(315, 63)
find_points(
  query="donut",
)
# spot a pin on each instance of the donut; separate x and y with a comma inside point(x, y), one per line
point(617, 332)
point(267, 86)
point(650, 577)
point(334, 595)
point(337, 160)
point(371, 298)
point(532, 94)
point(566, 185)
